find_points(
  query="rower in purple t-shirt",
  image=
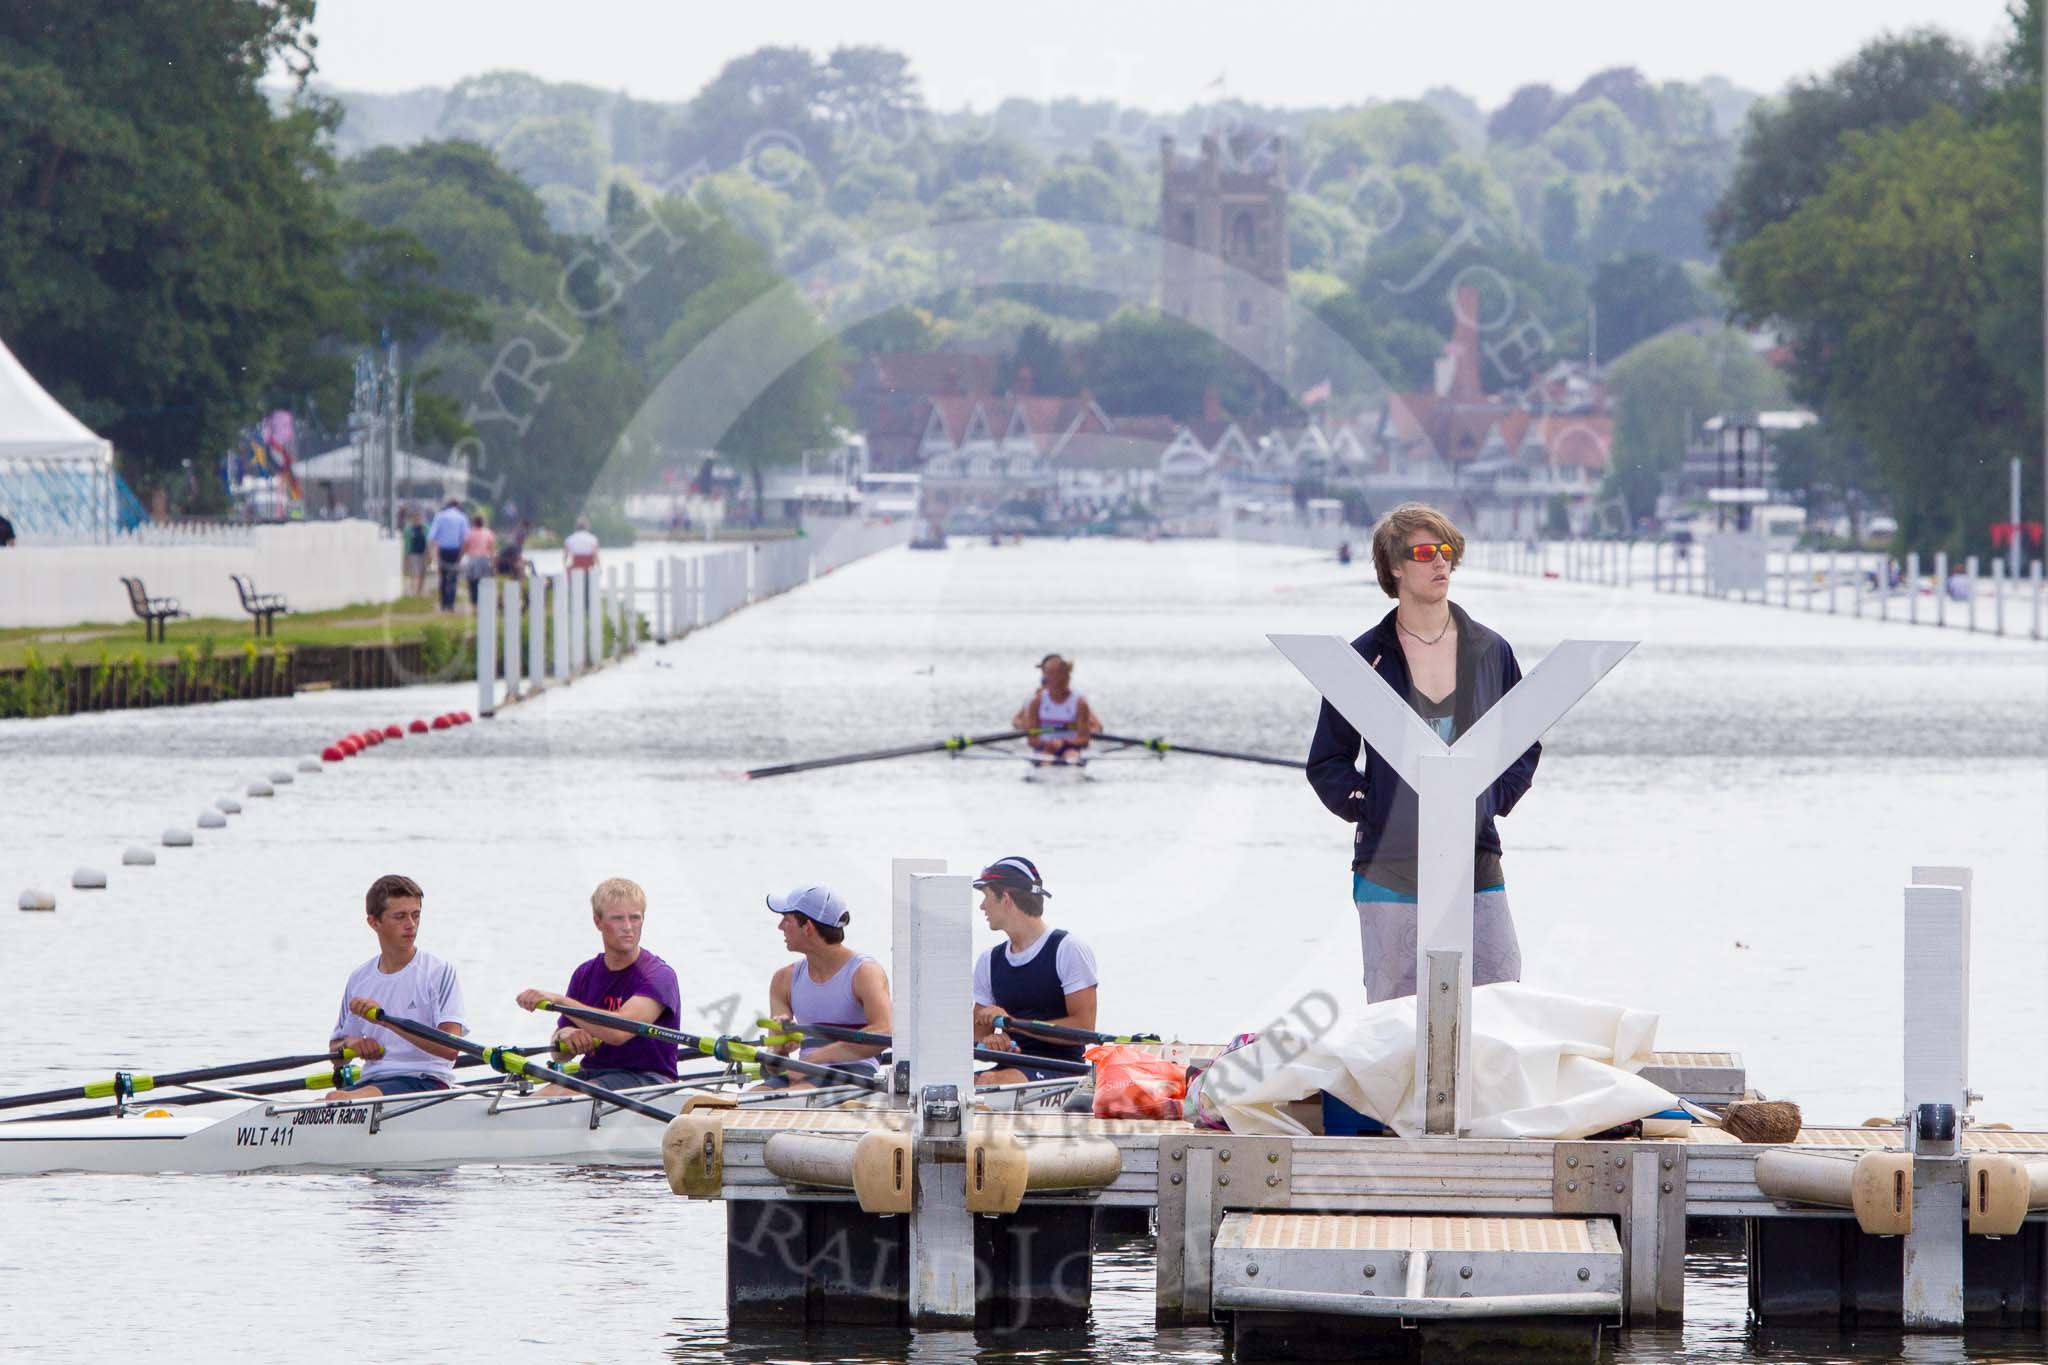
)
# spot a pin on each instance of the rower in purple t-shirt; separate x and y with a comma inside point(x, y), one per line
point(624, 979)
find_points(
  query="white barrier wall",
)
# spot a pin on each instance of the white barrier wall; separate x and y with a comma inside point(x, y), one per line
point(315, 566)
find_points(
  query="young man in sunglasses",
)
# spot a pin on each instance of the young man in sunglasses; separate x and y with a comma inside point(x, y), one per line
point(1452, 670)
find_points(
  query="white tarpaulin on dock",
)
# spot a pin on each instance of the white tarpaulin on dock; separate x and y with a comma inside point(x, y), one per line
point(1543, 1066)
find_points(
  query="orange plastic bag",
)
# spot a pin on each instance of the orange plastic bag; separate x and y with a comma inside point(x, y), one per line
point(1133, 1083)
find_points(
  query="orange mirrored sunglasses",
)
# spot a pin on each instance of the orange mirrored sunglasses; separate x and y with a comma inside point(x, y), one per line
point(1422, 554)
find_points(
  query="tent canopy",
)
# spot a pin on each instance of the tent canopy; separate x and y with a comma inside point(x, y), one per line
point(35, 426)
point(57, 478)
point(341, 465)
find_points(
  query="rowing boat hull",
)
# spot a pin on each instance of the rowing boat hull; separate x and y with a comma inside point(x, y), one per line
point(401, 1133)
point(406, 1132)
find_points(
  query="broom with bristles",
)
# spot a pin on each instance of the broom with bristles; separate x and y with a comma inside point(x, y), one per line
point(1751, 1120)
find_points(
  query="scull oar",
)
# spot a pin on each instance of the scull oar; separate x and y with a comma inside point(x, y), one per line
point(957, 744)
point(513, 1063)
point(125, 1084)
point(981, 1054)
point(1060, 1033)
point(724, 1049)
point(1163, 747)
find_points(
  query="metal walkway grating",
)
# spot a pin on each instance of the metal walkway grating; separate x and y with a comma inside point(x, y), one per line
point(1380, 1232)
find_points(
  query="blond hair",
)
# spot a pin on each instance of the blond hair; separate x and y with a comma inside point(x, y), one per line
point(617, 889)
point(1390, 540)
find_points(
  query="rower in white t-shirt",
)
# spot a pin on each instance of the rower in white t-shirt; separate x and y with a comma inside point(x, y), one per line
point(403, 981)
point(1038, 974)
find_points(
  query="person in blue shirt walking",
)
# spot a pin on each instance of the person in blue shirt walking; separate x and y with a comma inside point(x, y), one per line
point(446, 534)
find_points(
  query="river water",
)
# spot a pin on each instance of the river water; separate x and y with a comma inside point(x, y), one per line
point(1719, 832)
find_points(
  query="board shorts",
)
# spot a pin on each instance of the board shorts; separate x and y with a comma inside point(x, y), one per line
point(1386, 940)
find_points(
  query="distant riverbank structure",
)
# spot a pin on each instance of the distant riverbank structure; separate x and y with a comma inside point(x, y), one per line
point(1229, 207)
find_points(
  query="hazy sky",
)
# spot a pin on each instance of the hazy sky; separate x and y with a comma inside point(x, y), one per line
point(1157, 56)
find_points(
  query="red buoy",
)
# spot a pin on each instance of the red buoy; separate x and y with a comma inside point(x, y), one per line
point(441, 722)
point(393, 732)
point(349, 745)
point(463, 718)
point(418, 726)
point(331, 754)
point(370, 738)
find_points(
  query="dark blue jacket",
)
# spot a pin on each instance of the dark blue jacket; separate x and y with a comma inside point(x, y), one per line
point(1377, 801)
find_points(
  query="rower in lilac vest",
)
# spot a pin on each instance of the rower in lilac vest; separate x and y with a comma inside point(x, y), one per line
point(829, 983)
point(1041, 973)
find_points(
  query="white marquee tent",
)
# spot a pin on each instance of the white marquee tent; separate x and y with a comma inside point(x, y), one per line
point(56, 476)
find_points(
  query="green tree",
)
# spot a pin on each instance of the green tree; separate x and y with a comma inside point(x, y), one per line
point(746, 318)
point(1078, 192)
point(1662, 390)
point(1897, 280)
point(1793, 144)
point(1139, 361)
point(163, 230)
point(1637, 296)
point(1038, 352)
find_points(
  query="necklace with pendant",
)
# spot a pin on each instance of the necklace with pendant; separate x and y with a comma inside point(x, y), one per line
point(1448, 623)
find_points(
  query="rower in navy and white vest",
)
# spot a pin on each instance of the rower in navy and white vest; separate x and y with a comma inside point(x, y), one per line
point(829, 983)
point(1040, 973)
point(1057, 716)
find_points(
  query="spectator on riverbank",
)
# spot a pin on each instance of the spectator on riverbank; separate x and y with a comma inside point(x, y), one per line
point(415, 555)
point(512, 554)
point(447, 532)
point(6, 532)
point(1451, 670)
point(479, 553)
point(1959, 584)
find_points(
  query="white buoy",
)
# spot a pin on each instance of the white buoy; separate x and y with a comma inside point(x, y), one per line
point(260, 789)
point(281, 778)
point(309, 765)
point(182, 838)
point(89, 879)
point(36, 899)
point(137, 856)
point(227, 805)
point(212, 819)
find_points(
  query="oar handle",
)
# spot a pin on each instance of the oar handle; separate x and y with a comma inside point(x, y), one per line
point(1060, 1033)
point(724, 1049)
point(981, 1054)
point(513, 1062)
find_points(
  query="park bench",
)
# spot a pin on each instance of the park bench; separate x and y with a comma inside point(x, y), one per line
point(155, 612)
point(264, 607)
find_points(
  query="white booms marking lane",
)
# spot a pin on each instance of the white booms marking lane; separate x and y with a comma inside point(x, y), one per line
point(1447, 779)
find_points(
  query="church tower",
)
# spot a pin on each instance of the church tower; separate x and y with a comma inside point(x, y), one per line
point(1229, 205)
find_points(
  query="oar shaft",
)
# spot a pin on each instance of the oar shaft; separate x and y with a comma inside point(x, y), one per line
point(1165, 746)
point(514, 1063)
point(125, 1083)
point(724, 1049)
point(981, 1054)
point(954, 745)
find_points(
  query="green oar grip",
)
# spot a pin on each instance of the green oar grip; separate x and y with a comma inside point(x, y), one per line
point(121, 1084)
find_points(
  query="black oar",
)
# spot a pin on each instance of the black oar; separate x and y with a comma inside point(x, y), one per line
point(123, 1084)
point(1163, 746)
point(724, 1049)
point(957, 744)
point(1060, 1033)
point(512, 1063)
point(319, 1080)
point(981, 1054)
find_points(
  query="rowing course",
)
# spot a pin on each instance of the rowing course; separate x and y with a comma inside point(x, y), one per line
point(1744, 777)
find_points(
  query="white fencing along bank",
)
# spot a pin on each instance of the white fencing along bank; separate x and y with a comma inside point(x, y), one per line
point(598, 621)
point(1876, 583)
